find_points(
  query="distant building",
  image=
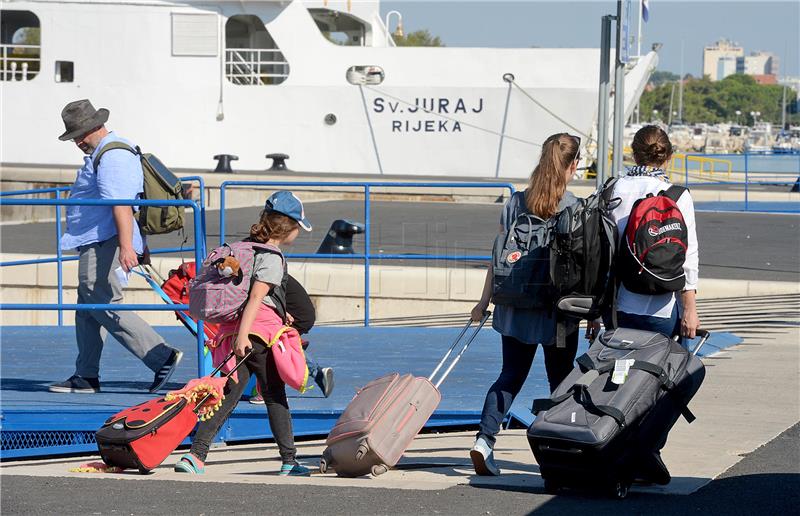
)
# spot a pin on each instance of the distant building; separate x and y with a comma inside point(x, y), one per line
point(719, 50)
point(758, 63)
point(725, 66)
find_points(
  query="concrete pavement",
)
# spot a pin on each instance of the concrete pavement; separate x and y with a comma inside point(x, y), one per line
point(751, 395)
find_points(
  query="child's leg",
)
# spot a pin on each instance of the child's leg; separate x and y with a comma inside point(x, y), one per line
point(280, 420)
point(208, 429)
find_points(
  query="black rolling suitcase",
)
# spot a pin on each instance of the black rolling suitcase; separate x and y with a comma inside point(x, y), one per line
point(604, 426)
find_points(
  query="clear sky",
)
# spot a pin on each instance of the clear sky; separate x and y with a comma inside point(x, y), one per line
point(755, 25)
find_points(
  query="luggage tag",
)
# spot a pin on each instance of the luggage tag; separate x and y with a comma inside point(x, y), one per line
point(621, 369)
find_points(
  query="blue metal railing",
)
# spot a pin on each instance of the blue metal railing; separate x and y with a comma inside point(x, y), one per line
point(59, 259)
point(756, 166)
point(367, 256)
point(199, 246)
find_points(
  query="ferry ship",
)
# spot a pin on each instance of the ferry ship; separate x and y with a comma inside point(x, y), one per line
point(321, 81)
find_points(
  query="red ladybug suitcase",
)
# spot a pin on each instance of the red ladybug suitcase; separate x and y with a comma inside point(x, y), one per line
point(141, 437)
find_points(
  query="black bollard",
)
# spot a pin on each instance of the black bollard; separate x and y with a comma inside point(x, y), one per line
point(224, 163)
point(339, 239)
point(278, 162)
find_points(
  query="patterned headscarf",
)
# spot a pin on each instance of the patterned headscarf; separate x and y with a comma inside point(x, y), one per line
point(646, 170)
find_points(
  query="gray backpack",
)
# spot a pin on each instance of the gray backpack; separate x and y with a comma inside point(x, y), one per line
point(521, 260)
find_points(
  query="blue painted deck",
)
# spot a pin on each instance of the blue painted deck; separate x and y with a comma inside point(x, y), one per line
point(37, 422)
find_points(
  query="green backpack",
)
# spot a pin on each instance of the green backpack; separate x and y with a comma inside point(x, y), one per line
point(159, 184)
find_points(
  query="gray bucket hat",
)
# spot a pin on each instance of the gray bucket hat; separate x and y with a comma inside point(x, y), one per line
point(80, 117)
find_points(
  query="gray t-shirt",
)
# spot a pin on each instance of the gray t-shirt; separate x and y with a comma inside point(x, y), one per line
point(531, 326)
point(268, 268)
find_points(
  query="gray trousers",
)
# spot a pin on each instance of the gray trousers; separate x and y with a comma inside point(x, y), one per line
point(98, 284)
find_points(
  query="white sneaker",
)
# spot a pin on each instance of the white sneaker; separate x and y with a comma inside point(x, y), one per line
point(482, 456)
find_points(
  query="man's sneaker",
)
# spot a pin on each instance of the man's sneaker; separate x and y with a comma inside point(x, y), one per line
point(482, 456)
point(77, 383)
point(293, 469)
point(324, 378)
point(163, 374)
point(256, 399)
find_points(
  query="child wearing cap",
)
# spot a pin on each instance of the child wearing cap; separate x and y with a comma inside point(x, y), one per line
point(260, 323)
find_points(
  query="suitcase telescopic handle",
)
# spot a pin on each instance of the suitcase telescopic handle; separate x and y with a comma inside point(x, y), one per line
point(703, 334)
point(455, 360)
point(226, 375)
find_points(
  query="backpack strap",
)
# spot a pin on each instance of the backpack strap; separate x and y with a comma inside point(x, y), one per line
point(607, 190)
point(112, 146)
point(674, 192)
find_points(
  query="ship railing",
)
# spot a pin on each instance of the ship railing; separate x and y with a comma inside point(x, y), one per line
point(367, 256)
point(255, 66)
point(199, 248)
point(19, 62)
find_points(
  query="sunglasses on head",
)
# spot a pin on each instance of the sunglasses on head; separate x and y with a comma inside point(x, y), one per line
point(578, 143)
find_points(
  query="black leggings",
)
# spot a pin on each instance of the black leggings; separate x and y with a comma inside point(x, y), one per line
point(262, 364)
point(517, 361)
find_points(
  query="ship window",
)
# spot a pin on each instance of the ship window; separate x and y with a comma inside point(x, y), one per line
point(251, 55)
point(370, 75)
point(195, 34)
point(340, 28)
point(65, 71)
point(20, 45)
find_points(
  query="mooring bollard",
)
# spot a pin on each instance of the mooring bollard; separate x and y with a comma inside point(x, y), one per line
point(224, 163)
point(339, 239)
point(278, 162)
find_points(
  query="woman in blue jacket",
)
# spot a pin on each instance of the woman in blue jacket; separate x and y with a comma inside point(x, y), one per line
point(522, 330)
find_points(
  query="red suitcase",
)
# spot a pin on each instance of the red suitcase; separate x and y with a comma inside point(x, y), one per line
point(141, 437)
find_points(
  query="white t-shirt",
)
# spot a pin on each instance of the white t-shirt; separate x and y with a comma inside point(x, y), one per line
point(629, 189)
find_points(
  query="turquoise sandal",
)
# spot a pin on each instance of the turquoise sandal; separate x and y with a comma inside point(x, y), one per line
point(293, 469)
point(188, 463)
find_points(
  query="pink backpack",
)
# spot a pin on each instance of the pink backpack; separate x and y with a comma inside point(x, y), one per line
point(219, 299)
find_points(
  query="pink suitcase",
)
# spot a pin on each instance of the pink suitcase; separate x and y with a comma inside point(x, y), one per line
point(384, 416)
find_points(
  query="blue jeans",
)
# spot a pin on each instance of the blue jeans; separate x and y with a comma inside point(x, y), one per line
point(669, 326)
point(517, 361)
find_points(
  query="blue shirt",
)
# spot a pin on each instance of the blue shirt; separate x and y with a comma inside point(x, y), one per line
point(531, 326)
point(119, 176)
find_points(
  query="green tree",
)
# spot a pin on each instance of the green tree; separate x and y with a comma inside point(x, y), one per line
point(712, 102)
point(419, 38)
point(28, 36)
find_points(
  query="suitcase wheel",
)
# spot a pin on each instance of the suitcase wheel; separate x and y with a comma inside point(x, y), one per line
point(620, 490)
point(144, 471)
point(379, 469)
point(362, 450)
point(323, 465)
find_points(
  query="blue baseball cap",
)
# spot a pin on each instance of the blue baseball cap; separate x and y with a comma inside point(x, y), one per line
point(284, 201)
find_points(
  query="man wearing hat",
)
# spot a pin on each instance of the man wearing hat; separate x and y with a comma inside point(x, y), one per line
point(109, 242)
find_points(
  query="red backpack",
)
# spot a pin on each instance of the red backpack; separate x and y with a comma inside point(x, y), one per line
point(653, 249)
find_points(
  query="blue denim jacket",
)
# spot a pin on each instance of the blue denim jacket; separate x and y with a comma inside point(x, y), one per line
point(531, 326)
point(119, 176)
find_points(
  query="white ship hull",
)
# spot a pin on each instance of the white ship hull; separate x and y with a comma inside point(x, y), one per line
point(185, 108)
